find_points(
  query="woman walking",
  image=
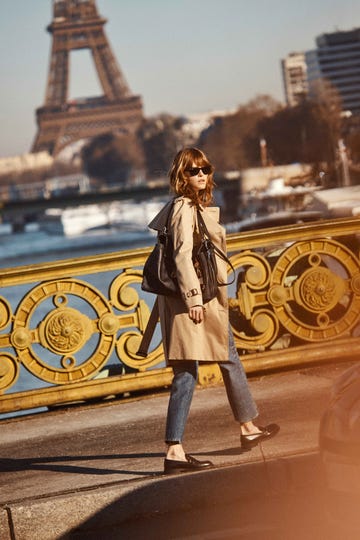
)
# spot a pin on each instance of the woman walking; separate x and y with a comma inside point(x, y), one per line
point(193, 332)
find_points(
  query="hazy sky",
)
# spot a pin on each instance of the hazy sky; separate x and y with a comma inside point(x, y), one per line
point(181, 56)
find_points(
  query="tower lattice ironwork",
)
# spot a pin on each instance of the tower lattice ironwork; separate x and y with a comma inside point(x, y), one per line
point(77, 25)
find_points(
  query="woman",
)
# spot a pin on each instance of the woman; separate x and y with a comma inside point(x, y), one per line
point(193, 332)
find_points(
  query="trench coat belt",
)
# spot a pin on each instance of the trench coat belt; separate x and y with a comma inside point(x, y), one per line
point(149, 331)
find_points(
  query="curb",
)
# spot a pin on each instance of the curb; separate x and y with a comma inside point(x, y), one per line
point(82, 514)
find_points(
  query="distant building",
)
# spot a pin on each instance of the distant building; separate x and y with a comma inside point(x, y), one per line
point(25, 162)
point(294, 78)
point(337, 60)
point(194, 124)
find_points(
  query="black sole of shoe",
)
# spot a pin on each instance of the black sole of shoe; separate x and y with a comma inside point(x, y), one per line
point(186, 470)
point(247, 444)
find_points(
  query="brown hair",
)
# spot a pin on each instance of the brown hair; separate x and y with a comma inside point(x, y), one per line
point(179, 179)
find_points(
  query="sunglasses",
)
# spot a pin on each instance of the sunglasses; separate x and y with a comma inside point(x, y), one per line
point(195, 170)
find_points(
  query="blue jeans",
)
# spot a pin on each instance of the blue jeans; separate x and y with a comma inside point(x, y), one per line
point(182, 389)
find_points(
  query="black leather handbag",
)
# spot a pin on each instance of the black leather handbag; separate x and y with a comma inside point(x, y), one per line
point(159, 273)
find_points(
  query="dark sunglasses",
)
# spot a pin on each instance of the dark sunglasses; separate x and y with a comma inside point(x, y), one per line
point(195, 170)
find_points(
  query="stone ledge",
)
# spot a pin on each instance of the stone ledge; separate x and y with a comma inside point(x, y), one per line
point(69, 516)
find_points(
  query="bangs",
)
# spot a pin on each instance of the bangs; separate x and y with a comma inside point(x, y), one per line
point(198, 158)
point(201, 162)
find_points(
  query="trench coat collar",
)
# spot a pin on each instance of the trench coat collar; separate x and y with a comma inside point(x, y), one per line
point(158, 223)
point(160, 220)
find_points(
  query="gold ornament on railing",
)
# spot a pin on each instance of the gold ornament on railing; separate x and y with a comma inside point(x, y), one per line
point(313, 290)
point(321, 303)
point(63, 331)
point(5, 313)
point(261, 325)
point(9, 371)
point(126, 298)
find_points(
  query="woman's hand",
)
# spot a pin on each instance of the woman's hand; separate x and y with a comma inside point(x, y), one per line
point(196, 314)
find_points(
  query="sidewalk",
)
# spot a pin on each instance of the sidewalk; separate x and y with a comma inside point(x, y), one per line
point(99, 467)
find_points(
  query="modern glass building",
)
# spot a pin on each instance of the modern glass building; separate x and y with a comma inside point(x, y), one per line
point(337, 60)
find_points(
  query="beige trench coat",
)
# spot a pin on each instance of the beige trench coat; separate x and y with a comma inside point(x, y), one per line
point(182, 338)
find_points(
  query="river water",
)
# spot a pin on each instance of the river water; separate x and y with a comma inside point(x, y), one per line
point(37, 246)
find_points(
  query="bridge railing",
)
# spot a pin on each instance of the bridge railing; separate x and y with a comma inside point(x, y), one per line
point(70, 329)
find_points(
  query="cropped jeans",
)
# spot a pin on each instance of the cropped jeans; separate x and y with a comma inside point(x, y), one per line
point(185, 376)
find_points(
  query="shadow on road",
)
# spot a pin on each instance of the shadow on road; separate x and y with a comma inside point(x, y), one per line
point(67, 464)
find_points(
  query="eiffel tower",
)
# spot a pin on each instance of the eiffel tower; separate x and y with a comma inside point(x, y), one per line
point(77, 25)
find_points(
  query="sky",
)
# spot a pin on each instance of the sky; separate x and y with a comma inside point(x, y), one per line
point(181, 56)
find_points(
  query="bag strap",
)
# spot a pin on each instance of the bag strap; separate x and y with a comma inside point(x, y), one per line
point(204, 233)
point(149, 331)
point(154, 315)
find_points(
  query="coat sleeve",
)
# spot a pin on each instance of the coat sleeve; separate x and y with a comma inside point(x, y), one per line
point(182, 235)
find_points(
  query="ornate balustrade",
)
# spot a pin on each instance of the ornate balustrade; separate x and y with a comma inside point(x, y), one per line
point(69, 330)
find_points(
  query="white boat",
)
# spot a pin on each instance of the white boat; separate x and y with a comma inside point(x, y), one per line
point(126, 215)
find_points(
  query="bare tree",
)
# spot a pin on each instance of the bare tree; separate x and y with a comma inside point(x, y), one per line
point(112, 158)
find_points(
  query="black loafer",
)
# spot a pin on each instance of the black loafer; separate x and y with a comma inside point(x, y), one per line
point(249, 441)
point(172, 466)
